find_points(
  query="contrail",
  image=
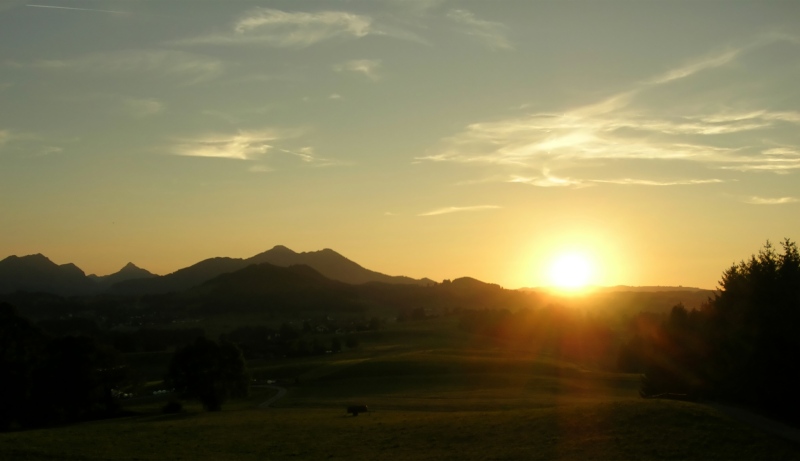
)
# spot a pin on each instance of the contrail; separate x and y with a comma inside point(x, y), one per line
point(79, 9)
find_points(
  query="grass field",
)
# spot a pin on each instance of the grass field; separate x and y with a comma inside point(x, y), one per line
point(440, 396)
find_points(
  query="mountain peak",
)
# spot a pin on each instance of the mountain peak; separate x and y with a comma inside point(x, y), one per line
point(131, 270)
point(130, 266)
point(281, 249)
point(38, 258)
point(38, 273)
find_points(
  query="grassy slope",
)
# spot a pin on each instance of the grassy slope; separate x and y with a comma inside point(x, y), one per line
point(444, 398)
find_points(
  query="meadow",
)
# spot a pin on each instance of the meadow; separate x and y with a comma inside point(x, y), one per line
point(434, 393)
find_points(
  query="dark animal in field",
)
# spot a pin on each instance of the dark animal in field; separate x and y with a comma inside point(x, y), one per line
point(356, 409)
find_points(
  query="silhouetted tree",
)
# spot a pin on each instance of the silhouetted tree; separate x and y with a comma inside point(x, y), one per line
point(351, 342)
point(288, 332)
point(754, 323)
point(75, 379)
point(21, 347)
point(742, 346)
point(317, 347)
point(209, 372)
point(47, 381)
point(336, 345)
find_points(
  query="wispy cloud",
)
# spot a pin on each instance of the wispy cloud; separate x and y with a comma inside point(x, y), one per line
point(690, 69)
point(189, 67)
point(492, 34)
point(242, 145)
point(49, 150)
point(366, 67)
point(755, 200)
point(28, 144)
point(283, 29)
point(629, 126)
point(458, 209)
point(78, 9)
point(142, 107)
point(546, 180)
point(779, 160)
point(648, 182)
point(251, 145)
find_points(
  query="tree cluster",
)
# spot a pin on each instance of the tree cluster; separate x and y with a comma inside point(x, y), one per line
point(741, 346)
point(46, 380)
point(210, 372)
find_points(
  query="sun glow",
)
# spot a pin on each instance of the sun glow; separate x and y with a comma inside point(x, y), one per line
point(572, 271)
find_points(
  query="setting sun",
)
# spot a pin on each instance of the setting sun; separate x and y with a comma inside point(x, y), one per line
point(571, 271)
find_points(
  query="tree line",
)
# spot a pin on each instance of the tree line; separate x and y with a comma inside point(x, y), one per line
point(45, 380)
point(741, 346)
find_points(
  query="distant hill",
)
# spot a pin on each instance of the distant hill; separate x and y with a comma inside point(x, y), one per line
point(266, 285)
point(36, 273)
point(332, 265)
point(182, 279)
point(129, 272)
point(327, 262)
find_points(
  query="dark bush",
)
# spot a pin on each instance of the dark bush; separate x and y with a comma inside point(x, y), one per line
point(172, 407)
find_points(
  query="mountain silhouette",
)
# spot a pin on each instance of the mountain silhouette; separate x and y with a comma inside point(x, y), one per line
point(129, 272)
point(332, 265)
point(180, 280)
point(326, 262)
point(260, 286)
point(36, 273)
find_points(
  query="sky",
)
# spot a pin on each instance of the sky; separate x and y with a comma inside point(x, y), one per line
point(427, 138)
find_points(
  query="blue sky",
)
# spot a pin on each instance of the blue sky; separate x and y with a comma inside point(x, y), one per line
point(417, 137)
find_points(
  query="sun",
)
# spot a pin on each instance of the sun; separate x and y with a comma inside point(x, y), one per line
point(571, 271)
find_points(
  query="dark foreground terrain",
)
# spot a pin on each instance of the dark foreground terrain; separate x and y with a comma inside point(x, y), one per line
point(434, 393)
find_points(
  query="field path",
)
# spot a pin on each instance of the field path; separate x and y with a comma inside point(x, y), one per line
point(760, 422)
point(281, 393)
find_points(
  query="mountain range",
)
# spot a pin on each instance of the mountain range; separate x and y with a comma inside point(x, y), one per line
point(36, 273)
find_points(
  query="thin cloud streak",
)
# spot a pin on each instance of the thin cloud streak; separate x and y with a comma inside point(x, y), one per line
point(243, 145)
point(549, 180)
point(282, 29)
point(619, 127)
point(79, 9)
point(140, 108)
point(491, 34)
point(249, 145)
point(366, 67)
point(755, 200)
point(546, 180)
point(647, 182)
point(695, 67)
point(458, 209)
